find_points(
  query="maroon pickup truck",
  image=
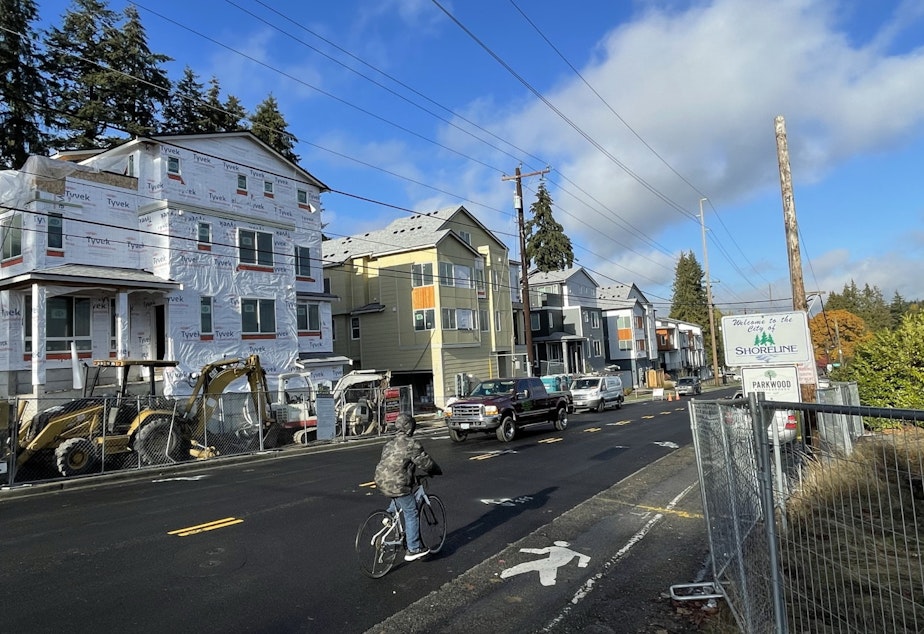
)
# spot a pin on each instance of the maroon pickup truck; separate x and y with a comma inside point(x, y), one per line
point(504, 406)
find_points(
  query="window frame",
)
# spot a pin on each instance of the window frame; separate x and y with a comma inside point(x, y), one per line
point(355, 332)
point(448, 319)
point(174, 166)
point(242, 184)
point(264, 310)
point(259, 255)
point(56, 221)
point(422, 274)
point(302, 259)
point(206, 307)
point(61, 345)
point(204, 242)
point(308, 317)
point(11, 226)
point(446, 274)
point(426, 321)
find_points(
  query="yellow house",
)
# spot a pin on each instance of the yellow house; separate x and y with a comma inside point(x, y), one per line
point(428, 298)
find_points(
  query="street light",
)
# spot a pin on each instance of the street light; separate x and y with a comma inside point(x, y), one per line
point(715, 354)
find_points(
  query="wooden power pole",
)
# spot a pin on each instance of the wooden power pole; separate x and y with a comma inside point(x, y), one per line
point(524, 264)
point(799, 301)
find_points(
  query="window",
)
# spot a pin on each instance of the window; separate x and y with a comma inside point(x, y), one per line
point(11, 226)
point(327, 285)
point(268, 189)
point(422, 275)
point(302, 196)
point(498, 321)
point(173, 165)
point(640, 345)
point(67, 319)
point(465, 319)
point(241, 184)
point(534, 321)
point(354, 327)
point(594, 320)
point(204, 236)
point(308, 317)
point(462, 276)
point(423, 319)
point(448, 319)
point(483, 322)
point(333, 329)
point(205, 318)
point(55, 231)
point(446, 276)
point(466, 237)
point(255, 247)
point(639, 322)
point(625, 344)
point(597, 348)
point(258, 316)
point(302, 262)
point(479, 278)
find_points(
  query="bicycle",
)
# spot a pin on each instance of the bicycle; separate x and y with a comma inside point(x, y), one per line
point(381, 537)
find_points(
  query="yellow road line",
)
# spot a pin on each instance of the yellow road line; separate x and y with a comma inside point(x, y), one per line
point(551, 440)
point(648, 416)
point(592, 429)
point(484, 456)
point(621, 422)
point(656, 509)
point(371, 485)
point(208, 526)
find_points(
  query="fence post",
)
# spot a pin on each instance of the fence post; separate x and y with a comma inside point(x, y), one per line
point(765, 481)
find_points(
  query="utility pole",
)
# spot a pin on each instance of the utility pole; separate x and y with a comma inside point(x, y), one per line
point(792, 237)
point(715, 354)
point(524, 263)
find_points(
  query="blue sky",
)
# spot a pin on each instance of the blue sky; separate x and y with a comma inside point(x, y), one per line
point(640, 109)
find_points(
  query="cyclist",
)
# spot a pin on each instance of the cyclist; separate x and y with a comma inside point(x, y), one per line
point(403, 460)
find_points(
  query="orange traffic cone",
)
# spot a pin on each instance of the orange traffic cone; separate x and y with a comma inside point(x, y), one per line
point(678, 396)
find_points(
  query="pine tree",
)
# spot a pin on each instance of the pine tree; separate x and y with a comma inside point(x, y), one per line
point(223, 117)
point(690, 303)
point(22, 88)
point(185, 111)
point(142, 87)
point(76, 63)
point(547, 246)
point(270, 127)
point(898, 308)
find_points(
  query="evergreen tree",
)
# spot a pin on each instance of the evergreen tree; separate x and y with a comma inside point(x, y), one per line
point(898, 308)
point(185, 111)
point(223, 117)
point(690, 303)
point(76, 63)
point(142, 87)
point(889, 368)
point(22, 88)
point(547, 246)
point(270, 126)
point(867, 304)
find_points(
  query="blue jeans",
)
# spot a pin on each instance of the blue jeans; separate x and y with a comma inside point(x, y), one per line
point(411, 520)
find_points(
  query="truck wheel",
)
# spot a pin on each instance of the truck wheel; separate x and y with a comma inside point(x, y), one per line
point(507, 430)
point(601, 405)
point(457, 436)
point(619, 402)
point(76, 456)
point(561, 419)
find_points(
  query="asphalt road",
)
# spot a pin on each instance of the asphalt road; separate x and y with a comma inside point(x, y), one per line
point(265, 545)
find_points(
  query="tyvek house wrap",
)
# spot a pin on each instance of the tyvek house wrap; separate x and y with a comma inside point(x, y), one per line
point(155, 228)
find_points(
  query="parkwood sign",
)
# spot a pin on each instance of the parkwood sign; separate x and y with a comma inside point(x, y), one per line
point(774, 338)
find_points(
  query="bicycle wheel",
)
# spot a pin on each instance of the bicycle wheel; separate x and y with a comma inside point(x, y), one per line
point(432, 523)
point(377, 544)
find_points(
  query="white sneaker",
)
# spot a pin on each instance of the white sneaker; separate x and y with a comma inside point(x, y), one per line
point(416, 554)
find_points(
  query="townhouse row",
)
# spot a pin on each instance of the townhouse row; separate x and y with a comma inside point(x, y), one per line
point(199, 247)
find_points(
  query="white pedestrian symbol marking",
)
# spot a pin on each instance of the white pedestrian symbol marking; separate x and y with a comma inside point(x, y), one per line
point(558, 555)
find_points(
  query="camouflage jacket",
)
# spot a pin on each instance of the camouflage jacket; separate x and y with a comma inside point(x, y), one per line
point(402, 458)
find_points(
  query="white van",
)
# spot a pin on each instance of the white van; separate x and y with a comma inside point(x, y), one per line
point(597, 392)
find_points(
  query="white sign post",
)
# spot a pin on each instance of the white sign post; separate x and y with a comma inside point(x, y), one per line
point(770, 339)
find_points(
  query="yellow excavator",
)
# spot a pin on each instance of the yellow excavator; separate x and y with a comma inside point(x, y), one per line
point(83, 432)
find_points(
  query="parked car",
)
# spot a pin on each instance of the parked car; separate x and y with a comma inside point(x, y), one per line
point(597, 392)
point(784, 422)
point(689, 385)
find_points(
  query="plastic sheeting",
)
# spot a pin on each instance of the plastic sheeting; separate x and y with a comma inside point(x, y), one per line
point(155, 225)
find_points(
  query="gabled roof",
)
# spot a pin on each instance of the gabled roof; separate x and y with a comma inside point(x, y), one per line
point(628, 292)
point(558, 277)
point(183, 140)
point(409, 233)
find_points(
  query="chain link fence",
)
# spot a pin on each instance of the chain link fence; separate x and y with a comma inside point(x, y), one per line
point(824, 536)
point(100, 434)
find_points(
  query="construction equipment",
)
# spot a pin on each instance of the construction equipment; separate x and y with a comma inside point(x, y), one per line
point(179, 434)
point(81, 433)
